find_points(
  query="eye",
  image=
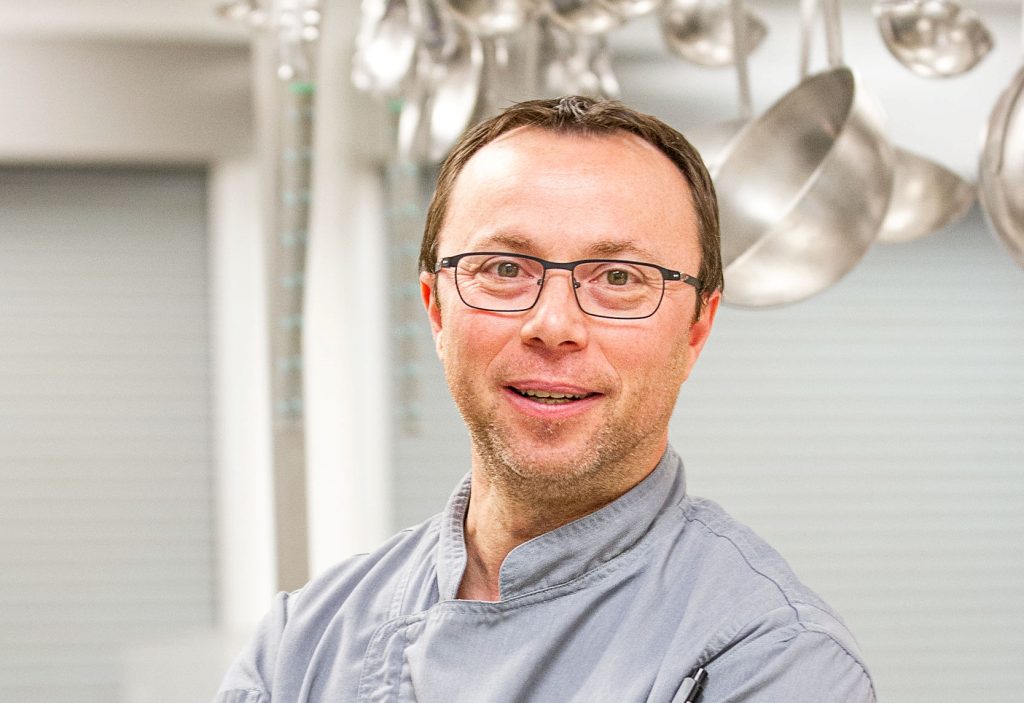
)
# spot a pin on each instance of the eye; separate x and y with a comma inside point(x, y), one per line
point(507, 269)
point(617, 277)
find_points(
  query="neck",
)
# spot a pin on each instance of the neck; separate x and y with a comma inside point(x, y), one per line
point(505, 512)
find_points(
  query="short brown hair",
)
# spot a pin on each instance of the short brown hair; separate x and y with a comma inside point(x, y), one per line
point(586, 116)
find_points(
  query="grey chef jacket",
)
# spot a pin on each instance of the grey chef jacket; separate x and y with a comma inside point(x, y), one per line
point(618, 606)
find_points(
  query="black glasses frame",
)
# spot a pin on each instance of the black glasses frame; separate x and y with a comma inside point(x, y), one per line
point(667, 274)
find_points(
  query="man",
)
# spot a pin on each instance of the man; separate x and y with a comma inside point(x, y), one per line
point(571, 273)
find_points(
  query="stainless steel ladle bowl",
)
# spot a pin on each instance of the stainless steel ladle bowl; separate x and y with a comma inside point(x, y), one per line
point(489, 18)
point(582, 16)
point(926, 196)
point(933, 38)
point(701, 31)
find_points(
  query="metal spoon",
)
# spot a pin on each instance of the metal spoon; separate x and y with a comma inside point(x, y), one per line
point(933, 38)
point(701, 31)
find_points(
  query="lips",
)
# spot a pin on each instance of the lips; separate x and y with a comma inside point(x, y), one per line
point(552, 397)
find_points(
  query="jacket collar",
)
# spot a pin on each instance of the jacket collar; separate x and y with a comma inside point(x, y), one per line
point(571, 550)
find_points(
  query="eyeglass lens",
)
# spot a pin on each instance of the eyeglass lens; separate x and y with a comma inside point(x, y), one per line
point(605, 288)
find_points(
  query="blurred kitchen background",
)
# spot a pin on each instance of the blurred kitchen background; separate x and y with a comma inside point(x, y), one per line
point(216, 379)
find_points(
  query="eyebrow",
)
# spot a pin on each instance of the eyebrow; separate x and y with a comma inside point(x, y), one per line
point(614, 248)
point(606, 248)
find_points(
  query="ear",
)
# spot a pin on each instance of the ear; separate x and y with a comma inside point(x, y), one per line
point(700, 329)
point(427, 282)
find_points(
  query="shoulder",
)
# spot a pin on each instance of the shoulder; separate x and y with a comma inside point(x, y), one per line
point(345, 603)
point(369, 575)
point(767, 620)
point(738, 556)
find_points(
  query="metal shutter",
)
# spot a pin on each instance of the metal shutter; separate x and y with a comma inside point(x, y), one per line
point(105, 462)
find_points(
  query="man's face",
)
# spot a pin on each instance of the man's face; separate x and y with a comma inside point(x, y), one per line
point(562, 198)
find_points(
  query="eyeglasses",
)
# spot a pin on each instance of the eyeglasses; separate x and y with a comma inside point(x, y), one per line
point(612, 288)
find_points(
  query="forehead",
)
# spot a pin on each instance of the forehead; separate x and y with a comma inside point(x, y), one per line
point(565, 194)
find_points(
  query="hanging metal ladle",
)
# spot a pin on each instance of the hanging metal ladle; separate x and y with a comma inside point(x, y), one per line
point(385, 47)
point(703, 31)
point(446, 89)
point(712, 141)
point(926, 196)
point(1001, 167)
point(579, 32)
point(488, 18)
point(589, 17)
point(933, 38)
point(577, 64)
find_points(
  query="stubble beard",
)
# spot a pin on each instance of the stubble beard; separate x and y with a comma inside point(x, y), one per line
point(599, 469)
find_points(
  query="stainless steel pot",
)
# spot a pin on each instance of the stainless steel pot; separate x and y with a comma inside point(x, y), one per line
point(804, 188)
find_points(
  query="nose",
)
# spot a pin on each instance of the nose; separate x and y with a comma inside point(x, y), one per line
point(556, 321)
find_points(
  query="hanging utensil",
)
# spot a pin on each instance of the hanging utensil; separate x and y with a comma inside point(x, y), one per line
point(631, 9)
point(578, 65)
point(1001, 167)
point(712, 141)
point(701, 31)
point(385, 47)
point(587, 17)
point(577, 59)
point(933, 38)
point(446, 91)
point(926, 197)
point(489, 18)
point(804, 188)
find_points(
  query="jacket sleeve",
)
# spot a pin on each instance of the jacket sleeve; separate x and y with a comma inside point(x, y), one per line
point(250, 677)
point(806, 666)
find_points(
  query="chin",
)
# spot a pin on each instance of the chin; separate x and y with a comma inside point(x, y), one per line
point(562, 466)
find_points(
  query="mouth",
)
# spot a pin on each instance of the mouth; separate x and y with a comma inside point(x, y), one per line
point(551, 397)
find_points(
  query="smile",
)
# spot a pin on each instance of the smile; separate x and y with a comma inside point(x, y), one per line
point(551, 398)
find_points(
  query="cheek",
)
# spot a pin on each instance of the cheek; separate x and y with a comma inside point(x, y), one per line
point(653, 363)
point(473, 340)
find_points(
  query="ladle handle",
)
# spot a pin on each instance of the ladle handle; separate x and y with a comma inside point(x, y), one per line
point(740, 44)
point(808, 13)
point(833, 34)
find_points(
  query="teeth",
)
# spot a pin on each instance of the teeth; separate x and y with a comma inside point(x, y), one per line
point(552, 396)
